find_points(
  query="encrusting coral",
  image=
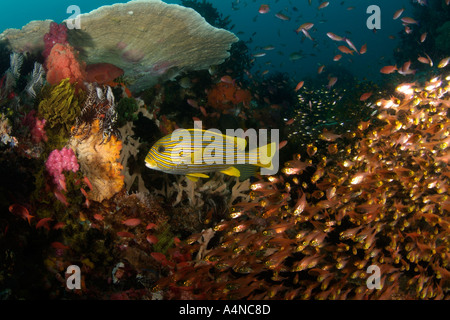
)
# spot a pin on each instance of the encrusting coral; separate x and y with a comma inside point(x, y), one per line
point(98, 162)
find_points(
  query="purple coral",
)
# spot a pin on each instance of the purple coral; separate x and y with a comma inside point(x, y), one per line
point(36, 127)
point(57, 34)
point(59, 161)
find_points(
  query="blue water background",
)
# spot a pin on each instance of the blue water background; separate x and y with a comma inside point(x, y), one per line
point(270, 30)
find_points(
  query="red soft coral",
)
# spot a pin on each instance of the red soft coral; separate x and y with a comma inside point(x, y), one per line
point(36, 127)
point(226, 95)
point(62, 63)
point(56, 34)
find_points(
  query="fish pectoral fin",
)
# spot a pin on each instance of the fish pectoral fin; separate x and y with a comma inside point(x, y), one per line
point(194, 176)
point(231, 171)
point(195, 179)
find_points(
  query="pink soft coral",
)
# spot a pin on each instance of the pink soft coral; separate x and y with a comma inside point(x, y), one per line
point(62, 63)
point(59, 161)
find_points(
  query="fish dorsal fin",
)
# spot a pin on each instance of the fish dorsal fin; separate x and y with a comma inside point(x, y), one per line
point(231, 171)
point(264, 160)
point(236, 142)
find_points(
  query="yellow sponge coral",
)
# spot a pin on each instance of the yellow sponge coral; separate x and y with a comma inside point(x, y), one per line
point(98, 162)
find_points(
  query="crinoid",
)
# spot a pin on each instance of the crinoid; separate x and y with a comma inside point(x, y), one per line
point(99, 105)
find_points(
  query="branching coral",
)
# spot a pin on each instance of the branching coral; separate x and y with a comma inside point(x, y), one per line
point(196, 205)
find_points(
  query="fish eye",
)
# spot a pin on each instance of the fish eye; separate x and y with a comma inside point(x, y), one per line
point(161, 149)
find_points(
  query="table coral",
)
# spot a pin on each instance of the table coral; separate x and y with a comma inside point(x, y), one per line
point(133, 36)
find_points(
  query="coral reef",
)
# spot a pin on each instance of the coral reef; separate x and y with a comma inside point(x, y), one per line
point(139, 53)
point(313, 231)
point(364, 185)
point(28, 39)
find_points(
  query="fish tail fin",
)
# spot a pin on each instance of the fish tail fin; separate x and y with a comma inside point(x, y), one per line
point(265, 155)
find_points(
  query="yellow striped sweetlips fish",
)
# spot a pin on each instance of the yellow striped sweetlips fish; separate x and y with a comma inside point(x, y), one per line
point(195, 152)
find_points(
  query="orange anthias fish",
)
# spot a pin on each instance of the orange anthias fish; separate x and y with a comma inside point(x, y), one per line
point(299, 85)
point(351, 45)
point(21, 211)
point(444, 62)
point(332, 82)
point(388, 69)
point(408, 20)
point(426, 60)
point(345, 49)
point(281, 16)
point(323, 5)
point(133, 222)
point(264, 8)
point(398, 13)
point(320, 69)
point(334, 37)
point(305, 26)
point(365, 96)
point(337, 57)
point(43, 223)
point(363, 49)
point(423, 36)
